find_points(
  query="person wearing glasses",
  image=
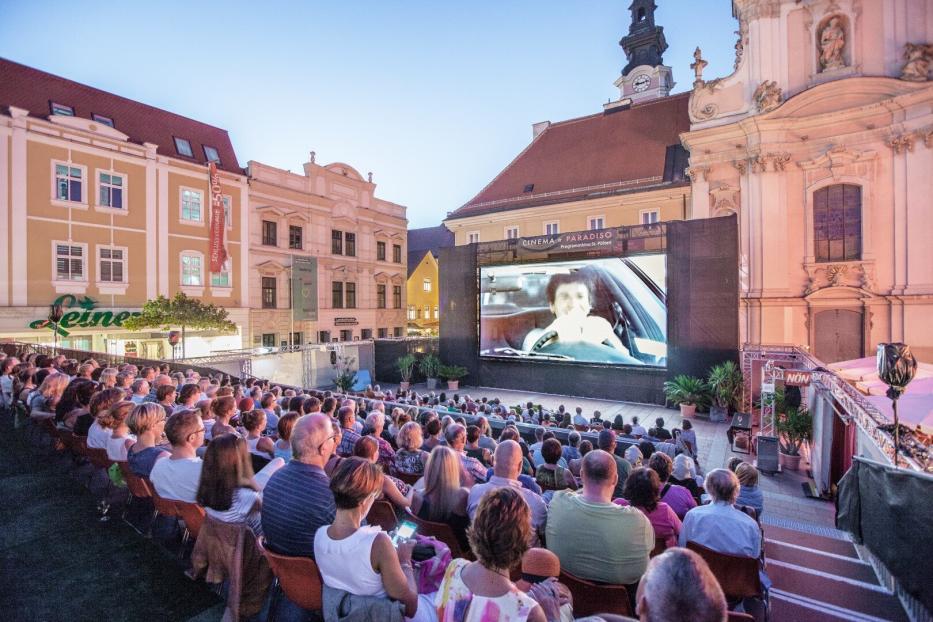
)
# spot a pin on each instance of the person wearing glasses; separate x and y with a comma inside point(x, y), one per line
point(298, 499)
point(177, 476)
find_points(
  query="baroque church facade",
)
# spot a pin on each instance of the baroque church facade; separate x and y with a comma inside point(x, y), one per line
point(821, 142)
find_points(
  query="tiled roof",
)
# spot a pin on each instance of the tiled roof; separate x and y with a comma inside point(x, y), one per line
point(617, 150)
point(33, 90)
point(432, 239)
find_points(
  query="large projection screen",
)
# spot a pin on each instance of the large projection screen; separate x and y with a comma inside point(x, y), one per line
point(593, 311)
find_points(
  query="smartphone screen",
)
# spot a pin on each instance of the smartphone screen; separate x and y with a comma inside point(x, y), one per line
point(404, 531)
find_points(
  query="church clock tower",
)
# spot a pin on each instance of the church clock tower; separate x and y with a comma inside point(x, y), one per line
point(645, 76)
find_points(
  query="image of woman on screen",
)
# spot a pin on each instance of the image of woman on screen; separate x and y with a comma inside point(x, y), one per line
point(570, 297)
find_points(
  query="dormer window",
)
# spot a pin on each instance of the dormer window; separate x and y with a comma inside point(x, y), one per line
point(529, 187)
point(62, 109)
point(102, 119)
point(183, 147)
point(211, 154)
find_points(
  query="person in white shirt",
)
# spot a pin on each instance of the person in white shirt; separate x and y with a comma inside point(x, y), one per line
point(98, 435)
point(120, 439)
point(638, 430)
point(508, 466)
point(177, 476)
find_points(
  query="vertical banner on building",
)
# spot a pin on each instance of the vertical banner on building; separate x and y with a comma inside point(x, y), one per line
point(304, 288)
point(218, 253)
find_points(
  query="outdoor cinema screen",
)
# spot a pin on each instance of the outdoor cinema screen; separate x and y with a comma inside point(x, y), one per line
point(603, 311)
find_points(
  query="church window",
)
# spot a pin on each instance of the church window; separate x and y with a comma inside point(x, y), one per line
point(837, 223)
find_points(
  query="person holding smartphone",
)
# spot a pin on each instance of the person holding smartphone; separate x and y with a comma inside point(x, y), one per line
point(363, 560)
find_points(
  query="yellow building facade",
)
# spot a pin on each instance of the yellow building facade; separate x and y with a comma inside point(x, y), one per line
point(97, 218)
point(423, 296)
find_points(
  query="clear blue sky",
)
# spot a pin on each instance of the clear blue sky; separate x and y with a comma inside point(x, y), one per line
point(434, 98)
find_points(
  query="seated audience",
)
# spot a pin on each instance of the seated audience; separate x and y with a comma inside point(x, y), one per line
point(177, 476)
point(542, 567)
point(410, 457)
point(684, 474)
point(433, 430)
point(98, 436)
point(482, 590)
point(642, 491)
point(362, 560)
point(120, 437)
point(647, 450)
point(633, 456)
point(485, 435)
point(189, 397)
point(74, 403)
point(719, 525)
point(575, 465)
point(638, 430)
point(660, 432)
point(550, 475)
point(678, 497)
point(505, 474)
point(375, 427)
point(46, 397)
point(140, 391)
point(166, 395)
point(594, 538)
point(444, 499)
point(227, 490)
point(473, 449)
point(349, 436)
point(606, 441)
point(254, 422)
point(687, 440)
point(393, 489)
point(283, 446)
point(147, 422)
point(473, 469)
point(749, 492)
point(223, 409)
point(679, 587)
point(571, 451)
point(298, 500)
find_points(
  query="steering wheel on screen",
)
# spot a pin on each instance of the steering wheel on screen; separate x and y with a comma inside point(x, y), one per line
point(543, 340)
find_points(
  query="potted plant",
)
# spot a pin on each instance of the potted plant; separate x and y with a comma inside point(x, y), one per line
point(725, 386)
point(406, 367)
point(687, 392)
point(430, 366)
point(452, 374)
point(794, 426)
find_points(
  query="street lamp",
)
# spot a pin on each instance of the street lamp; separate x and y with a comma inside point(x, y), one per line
point(896, 368)
point(55, 316)
point(173, 337)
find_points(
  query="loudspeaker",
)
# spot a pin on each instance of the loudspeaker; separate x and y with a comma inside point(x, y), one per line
point(767, 450)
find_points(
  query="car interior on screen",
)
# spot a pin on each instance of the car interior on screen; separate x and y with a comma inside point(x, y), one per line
point(607, 311)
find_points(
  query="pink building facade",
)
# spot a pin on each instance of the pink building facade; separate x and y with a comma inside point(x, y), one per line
point(821, 142)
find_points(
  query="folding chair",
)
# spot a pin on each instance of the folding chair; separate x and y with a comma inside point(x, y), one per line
point(591, 598)
point(409, 478)
point(738, 576)
point(298, 577)
point(441, 531)
point(382, 513)
point(193, 515)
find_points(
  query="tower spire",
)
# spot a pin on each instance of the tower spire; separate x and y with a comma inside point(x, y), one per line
point(644, 76)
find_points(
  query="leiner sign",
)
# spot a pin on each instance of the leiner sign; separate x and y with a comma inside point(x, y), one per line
point(86, 316)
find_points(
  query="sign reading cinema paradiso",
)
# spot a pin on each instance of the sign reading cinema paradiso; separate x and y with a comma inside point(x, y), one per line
point(83, 313)
point(594, 243)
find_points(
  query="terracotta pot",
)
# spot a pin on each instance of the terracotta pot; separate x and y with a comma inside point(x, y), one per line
point(791, 463)
point(688, 410)
point(403, 385)
point(453, 385)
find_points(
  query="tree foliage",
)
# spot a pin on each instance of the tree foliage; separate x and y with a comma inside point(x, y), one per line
point(183, 311)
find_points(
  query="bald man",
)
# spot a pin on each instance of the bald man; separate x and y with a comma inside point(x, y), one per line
point(298, 500)
point(594, 538)
point(508, 466)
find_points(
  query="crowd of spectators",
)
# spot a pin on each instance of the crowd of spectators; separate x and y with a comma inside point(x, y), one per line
point(302, 469)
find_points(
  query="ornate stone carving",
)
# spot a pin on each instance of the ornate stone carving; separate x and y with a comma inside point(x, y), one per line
point(724, 200)
point(756, 9)
point(697, 65)
point(901, 142)
point(767, 96)
point(919, 56)
point(741, 166)
point(832, 44)
point(759, 164)
point(926, 135)
point(311, 157)
point(779, 161)
point(706, 111)
point(695, 173)
point(740, 45)
point(857, 274)
point(839, 161)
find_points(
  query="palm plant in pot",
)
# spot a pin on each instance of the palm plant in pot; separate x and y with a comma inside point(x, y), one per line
point(725, 386)
point(452, 374)
point(430, 366)
point(687, 392)
point(794, 426)
point(406, 367)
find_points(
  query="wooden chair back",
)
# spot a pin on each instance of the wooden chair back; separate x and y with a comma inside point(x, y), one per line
point(409, 478)
point(99, 458)
point(134, 483)
point(299, 577)
point(591, 598)
point(441, 531)
point(163, 506)
point(193, 515)
point(738, 576)
point(382, 513)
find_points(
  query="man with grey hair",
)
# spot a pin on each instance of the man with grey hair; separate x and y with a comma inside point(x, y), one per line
point(160, 381)
point(375, 424)
point(298, 500)
point(472, 468)
point(508, 466)
point(718, 525)
point(679, 587)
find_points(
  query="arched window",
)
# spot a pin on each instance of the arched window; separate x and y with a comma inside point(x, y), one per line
point(837, 223)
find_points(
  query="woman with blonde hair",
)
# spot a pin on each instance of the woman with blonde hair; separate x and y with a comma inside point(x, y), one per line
point(684, 474)
point(120, 437)
point(46, 397)
point(444, 500)
point(108, 378)
point(227, 489)
point(147, 422)
point(410, 458)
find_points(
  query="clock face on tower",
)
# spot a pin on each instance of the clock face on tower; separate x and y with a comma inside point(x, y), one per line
point(641, 82)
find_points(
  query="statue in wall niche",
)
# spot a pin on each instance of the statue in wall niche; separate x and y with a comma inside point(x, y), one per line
point(832, 42)
point(918, 57)
point(767, 96)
